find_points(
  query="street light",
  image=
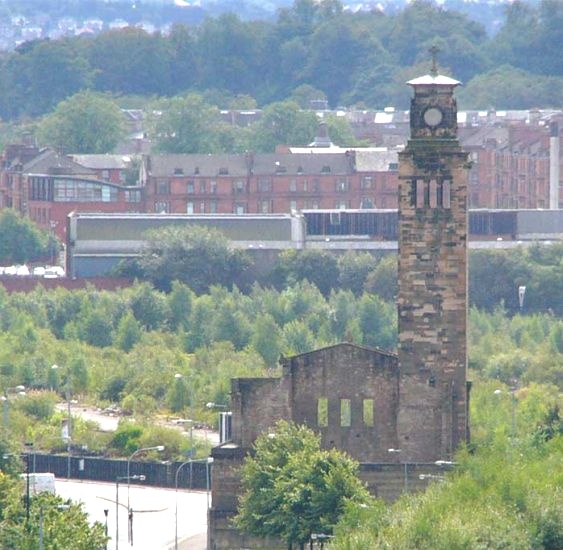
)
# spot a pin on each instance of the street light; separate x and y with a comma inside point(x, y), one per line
point(406, 473)
point(68, 422)
point(208, 461)
point(179, 377)
point(158, 448)
point(117, 480)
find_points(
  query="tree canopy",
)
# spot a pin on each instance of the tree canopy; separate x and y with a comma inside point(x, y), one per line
point(85, 123)
point(292, 488)
point(197, 256)
point(22, 241)
point(350, 58)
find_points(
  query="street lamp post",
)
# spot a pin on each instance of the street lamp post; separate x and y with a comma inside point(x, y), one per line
point(208, 461)
point(68, 421)
point(158, 448)
point(117, 480)
point(179, 377)
point(406, 472)
point(106, 512)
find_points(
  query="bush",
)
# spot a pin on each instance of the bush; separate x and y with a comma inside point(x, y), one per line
point(40, 405)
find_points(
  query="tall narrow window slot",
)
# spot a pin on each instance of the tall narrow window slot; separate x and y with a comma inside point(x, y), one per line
point(322, 412)
point(433, 194)
point(420, 192)
point(369, 413)
point(345, 413)
point(446, 193)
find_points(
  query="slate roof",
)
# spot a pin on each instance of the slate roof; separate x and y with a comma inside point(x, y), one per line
point(302, 164)
point(50, 162)
point(201, 165)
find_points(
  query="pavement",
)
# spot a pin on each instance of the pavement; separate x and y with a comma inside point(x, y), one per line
point(158, 514)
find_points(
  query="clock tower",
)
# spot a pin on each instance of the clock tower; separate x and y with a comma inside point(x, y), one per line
point(432, 302)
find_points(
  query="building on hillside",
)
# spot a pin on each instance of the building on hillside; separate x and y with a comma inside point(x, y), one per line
point(400, 415)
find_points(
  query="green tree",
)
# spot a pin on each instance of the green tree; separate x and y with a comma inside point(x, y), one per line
point(304, 94)
point(292, 488)
point(267, 339)
point(21, 240)
point(128, 332)
point(316, 266)
point(131, 61)
point(186, 125)
point(180, 301)
point(383, 280)
point(353, 270)
point(283, 123)
point(60, 523)
point(197, 256)
point(85, 123)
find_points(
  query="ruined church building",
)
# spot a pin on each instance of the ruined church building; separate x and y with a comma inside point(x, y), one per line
point(399, 415)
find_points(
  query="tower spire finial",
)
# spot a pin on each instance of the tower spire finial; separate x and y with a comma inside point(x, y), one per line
point(434, 50)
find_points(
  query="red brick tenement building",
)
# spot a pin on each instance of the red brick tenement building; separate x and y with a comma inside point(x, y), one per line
point(269, 183)
point(515, 164)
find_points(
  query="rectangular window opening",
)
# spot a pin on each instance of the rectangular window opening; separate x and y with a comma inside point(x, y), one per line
point(369, 413)
point(322, 412)
point(433, 194)
point(345, 413)
point(446, 194)
point(420, 185)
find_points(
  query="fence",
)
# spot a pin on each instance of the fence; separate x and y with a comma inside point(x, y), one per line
point(158, 474)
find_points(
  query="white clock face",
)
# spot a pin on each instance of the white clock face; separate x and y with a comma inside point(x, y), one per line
point(433, 116)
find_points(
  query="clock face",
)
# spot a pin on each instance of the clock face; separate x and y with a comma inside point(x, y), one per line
point(433, 116)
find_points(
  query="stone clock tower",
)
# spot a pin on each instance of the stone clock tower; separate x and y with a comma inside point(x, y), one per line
point(432, 303)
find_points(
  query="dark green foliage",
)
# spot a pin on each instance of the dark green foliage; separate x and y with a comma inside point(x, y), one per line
point(128, 333)
point(113, 389)
point(84, 123)
point(315, 48)
point(495, 275)
point(316, 266)
point(21, 240)
point(196, 256)
point(383, 279)
point(40, 405)
point(353, 270)
point(126, 437)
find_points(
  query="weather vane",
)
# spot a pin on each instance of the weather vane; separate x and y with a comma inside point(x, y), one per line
point(434, 50)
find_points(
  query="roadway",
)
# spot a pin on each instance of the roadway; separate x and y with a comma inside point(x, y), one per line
point(154, 514)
